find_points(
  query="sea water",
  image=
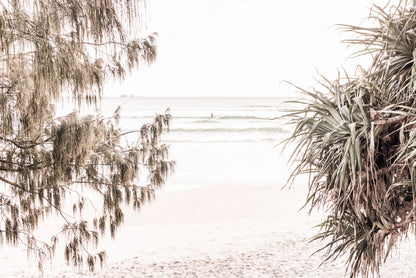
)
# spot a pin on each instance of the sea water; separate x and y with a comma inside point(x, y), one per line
point(214, 140)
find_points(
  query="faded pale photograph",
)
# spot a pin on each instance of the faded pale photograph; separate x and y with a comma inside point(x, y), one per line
point(222, 138)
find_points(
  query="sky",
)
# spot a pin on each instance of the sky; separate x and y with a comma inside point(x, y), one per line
point(244, 47)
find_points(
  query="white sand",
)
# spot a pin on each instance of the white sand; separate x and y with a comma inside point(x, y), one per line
point(228, 231)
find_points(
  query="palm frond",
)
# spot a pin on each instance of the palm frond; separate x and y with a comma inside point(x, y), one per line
point(357, 141)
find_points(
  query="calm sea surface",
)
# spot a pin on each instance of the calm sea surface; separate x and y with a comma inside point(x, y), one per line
point(214, 140)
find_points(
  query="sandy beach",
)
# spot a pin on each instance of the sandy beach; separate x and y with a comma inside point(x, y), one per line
point(229, 231)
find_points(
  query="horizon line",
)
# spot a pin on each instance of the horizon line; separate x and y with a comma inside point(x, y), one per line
point(135, 96)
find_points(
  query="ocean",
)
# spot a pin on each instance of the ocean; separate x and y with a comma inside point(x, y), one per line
point(214, 140)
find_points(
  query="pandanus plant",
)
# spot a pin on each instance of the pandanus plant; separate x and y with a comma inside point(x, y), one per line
point(356, 138)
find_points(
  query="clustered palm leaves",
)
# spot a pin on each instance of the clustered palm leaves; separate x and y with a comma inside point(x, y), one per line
point(356, 138)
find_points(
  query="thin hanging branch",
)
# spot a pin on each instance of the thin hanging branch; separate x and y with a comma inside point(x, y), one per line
point(49, 48)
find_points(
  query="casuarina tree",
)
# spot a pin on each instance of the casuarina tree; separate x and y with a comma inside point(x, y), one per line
point(55, 48)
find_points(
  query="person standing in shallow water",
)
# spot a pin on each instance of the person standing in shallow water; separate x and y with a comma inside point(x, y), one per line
point(212, 115)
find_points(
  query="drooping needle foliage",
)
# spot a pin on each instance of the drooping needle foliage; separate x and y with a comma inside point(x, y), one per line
point(51, 48)
point(356, 138)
